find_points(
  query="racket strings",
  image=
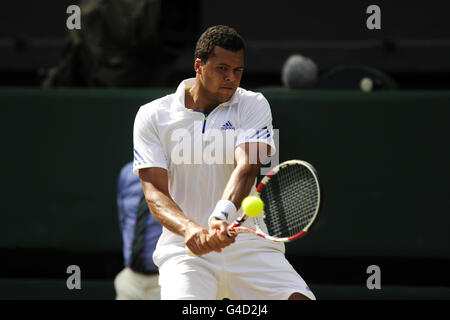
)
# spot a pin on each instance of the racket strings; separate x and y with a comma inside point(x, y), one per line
point(291, 198)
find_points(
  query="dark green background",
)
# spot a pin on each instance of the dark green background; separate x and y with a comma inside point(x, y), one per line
point(382, 159)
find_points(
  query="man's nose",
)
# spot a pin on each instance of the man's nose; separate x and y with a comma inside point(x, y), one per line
point(230, 76)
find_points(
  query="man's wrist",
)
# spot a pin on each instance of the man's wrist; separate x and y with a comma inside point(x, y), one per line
point(224, 210)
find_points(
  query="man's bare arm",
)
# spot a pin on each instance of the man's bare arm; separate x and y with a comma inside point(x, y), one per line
point(156, 190)
point(246, 169)
point(247, 165)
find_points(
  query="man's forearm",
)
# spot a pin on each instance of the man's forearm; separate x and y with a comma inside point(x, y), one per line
point(167, 212)
point(240, 183)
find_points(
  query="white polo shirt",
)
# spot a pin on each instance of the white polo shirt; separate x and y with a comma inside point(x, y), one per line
point(197, 150)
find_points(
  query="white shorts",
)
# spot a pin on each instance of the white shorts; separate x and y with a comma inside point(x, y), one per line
point(243, 271)
point(131, 285)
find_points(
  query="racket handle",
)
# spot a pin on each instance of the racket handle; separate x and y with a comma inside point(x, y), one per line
point(230, 233)
point(237, 223)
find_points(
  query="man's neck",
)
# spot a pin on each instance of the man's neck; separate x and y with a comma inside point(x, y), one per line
point(195, 100)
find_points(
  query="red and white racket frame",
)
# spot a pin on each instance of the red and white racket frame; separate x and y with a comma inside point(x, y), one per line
point(236, 227)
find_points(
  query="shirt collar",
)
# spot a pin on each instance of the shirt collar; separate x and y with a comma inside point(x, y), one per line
point(178, 101)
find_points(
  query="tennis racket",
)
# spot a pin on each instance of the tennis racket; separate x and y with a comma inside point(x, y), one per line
point(291, 196)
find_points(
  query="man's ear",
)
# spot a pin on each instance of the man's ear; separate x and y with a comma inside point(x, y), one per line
point(197, 65)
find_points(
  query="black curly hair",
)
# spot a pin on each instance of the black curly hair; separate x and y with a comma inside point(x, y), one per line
point(222, 36)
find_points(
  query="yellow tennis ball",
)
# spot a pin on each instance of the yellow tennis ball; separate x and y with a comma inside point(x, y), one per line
point(252, 206)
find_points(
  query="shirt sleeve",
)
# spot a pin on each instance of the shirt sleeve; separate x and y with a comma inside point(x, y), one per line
point(256, 123)
point(148, 151)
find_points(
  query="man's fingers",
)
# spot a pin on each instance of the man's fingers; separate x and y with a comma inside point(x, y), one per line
point(220, 239)
point(198, 242)
point(202, 241)
point(214, 243)
point(194, 247)
point(224, 234)
point(221, 226)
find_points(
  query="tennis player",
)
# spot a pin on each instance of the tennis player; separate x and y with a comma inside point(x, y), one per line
point(194, 194)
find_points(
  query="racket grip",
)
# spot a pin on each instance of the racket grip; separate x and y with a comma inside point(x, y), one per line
point(230, 229)
point(230, 232)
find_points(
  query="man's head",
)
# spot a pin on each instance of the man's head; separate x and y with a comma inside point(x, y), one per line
point(222, 36)
point(219, 62)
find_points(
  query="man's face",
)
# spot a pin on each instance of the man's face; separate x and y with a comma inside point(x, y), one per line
point(221, 75)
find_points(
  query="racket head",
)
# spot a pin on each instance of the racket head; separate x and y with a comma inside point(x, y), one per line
point(291, 195)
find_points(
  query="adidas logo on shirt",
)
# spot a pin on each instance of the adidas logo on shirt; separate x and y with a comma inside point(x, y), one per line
point(227, 126)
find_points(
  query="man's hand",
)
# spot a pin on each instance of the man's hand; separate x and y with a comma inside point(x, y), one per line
point(200, 241)
point(197, 239)
point(218, 235)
